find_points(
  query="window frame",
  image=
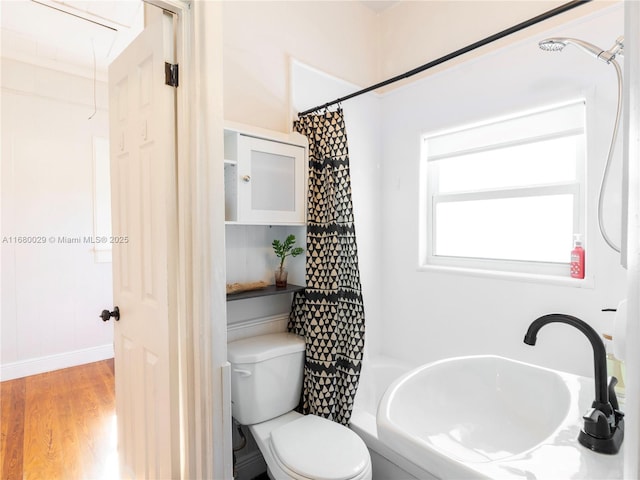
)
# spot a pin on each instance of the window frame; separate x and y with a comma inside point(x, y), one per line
point(430, 197)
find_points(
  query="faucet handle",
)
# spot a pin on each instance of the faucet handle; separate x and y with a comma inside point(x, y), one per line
point(613, 399)
point(596, 424)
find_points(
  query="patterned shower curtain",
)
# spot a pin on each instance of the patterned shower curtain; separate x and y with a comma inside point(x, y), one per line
point(329, 314)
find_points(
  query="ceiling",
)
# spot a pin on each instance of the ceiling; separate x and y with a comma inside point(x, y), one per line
point(69, 32)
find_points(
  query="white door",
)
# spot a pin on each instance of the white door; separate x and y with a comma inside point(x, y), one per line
point(142, 145)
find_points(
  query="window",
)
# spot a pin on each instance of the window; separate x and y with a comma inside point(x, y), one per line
point(506, 195)
point(101, 200)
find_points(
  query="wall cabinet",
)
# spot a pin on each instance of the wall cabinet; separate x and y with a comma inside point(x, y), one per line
point(265, 198)
point(265, 178)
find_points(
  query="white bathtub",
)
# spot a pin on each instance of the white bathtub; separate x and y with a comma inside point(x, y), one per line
point(377, 374)
point(558, 457)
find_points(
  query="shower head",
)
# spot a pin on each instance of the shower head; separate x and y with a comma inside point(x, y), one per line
point(552, 44)
point(557, 44)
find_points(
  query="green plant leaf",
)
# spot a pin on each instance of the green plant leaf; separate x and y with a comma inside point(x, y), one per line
point(286, 248)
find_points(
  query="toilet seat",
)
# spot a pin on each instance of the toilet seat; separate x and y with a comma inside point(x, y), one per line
point(291, 475)
point(314, 448)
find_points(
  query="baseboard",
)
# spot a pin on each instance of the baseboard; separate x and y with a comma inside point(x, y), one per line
point(34, 366)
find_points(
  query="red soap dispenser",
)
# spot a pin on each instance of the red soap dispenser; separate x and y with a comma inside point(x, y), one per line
point(577, 257)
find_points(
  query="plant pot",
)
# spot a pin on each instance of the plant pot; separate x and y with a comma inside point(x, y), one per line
point(281, 277)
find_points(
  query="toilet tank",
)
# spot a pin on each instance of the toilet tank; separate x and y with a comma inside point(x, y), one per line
point(266, 376)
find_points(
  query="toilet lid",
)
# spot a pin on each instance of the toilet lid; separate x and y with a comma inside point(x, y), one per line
point(317, 448)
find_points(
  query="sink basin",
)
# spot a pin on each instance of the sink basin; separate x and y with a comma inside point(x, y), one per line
point(456, 416)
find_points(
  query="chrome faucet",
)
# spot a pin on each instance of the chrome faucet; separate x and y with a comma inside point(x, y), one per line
point(603, 429)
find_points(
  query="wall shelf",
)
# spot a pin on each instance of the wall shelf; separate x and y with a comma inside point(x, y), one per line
point(264, 292)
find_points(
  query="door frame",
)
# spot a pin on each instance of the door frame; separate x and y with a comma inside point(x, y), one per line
point(631, 129)
point(205, 384)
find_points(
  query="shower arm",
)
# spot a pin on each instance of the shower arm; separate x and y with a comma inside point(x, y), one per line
point(618, 47)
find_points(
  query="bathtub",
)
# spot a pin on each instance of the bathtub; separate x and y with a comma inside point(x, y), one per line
point(377, 374)
point(558, 455)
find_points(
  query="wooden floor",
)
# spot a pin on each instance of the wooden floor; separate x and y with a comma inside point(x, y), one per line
point(60, 425)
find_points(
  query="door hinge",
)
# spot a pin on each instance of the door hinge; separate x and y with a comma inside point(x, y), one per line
point(171, 74)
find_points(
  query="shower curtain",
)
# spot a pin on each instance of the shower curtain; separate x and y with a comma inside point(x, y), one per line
point(329, 313)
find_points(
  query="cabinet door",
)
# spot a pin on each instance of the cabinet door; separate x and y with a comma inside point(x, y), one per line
point(271, 181)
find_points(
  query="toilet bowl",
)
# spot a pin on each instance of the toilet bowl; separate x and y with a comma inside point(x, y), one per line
point(266, 379)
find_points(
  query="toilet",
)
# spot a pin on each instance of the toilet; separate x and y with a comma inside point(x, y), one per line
point(266, 381)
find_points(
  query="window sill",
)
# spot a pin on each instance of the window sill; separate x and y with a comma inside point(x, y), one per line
point(587, 282)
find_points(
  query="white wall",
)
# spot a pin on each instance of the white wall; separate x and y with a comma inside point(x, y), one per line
point(52, 293)
point(413, 32)
point(340, 38)
point(352, 42)
point(430, 315)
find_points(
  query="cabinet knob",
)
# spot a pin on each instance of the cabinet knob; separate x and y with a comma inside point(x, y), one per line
point(246, 178)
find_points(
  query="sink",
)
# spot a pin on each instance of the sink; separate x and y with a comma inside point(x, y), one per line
point(484, 416)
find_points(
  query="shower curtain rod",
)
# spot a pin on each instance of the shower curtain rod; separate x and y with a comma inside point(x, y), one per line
point(520, 26)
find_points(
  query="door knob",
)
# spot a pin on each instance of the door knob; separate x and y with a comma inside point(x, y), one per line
point(246, 178)
point(106, 314)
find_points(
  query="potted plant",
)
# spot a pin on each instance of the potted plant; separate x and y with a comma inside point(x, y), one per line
point(282, 251)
